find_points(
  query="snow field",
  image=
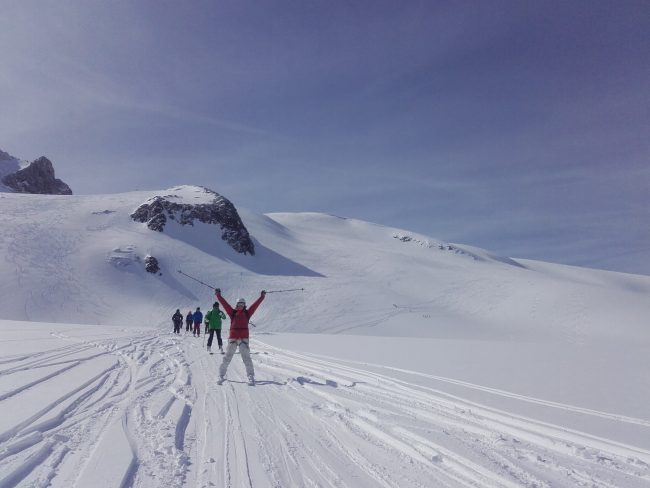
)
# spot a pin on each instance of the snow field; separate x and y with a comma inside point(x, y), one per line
point(132, 407)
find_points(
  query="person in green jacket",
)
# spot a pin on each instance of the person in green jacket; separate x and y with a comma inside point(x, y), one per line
point(213, 320)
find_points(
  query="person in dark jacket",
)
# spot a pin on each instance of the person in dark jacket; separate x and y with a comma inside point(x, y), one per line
point(198, 318)
point(239, 335)
point(189, 321)
point(177, 319)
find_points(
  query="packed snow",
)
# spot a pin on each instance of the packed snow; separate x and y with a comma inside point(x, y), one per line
point(399, 360)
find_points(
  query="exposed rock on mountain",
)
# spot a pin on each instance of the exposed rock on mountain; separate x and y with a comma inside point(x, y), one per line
point(206, 206)
point(151, 264)
point(8, 165)
point(38, 177)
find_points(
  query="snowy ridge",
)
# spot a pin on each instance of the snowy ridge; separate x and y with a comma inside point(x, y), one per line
point(188, 194)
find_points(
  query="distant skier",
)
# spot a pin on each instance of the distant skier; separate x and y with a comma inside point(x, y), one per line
point(189, 321)
point(177, 319)
point(213, 322)
point(238, 337)
point(198, 318)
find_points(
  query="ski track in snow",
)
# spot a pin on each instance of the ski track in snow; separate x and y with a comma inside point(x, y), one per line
point(310, 421)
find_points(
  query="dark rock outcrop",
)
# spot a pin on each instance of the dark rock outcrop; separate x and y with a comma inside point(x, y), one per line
point(38, 177)
point(219, 211)
point(151, 265)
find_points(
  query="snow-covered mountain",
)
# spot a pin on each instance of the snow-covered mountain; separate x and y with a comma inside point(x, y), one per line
point(80, 259)
point(35, 177)
point(424, 363)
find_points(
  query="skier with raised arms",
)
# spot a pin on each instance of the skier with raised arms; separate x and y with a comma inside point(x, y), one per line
point(239, 334)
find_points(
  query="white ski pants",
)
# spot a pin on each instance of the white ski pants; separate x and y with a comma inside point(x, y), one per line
point(245, 352)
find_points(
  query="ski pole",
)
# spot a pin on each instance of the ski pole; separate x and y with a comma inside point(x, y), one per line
point(284, 291)
point(193, 278)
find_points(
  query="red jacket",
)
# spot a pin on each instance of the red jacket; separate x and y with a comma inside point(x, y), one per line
point(239, 318)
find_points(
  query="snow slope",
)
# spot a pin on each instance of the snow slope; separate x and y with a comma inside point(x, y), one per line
point(78, 259)
point(405, 361)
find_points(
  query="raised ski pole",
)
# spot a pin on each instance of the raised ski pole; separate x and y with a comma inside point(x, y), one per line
point(195, 279)
point(285, 291)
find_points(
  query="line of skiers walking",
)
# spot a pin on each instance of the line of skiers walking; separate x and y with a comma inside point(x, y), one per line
point(212, 321)
point(238, 336)
point(192, 321)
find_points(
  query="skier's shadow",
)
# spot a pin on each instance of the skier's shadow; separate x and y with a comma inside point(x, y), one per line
point(270, 382)
point(260, 382)
point(303, 379)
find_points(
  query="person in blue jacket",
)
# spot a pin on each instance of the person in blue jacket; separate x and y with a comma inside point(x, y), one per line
point(198, 318)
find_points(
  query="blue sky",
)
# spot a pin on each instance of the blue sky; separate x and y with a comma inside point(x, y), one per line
point(521, 127)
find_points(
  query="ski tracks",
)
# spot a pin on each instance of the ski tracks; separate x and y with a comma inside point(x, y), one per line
point(96, 411)
point(384, 425)
point(316, 422)
point(144, 410)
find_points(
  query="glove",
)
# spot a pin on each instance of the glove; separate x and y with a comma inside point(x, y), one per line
point(217, 291)
point(263, 293)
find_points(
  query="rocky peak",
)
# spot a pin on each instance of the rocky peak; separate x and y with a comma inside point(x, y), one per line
point(8, 165)
point(38, 177)
point(188, 204)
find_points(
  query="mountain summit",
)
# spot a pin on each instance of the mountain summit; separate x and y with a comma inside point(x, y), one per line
point(190, 205)
point(36, 177)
